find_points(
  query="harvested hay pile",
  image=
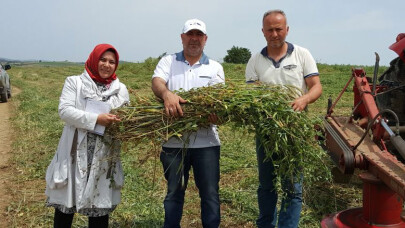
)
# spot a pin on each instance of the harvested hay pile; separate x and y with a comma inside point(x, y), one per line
point(264, 109)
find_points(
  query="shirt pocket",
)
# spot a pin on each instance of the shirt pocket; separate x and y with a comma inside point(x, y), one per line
point(292, 75)
point(203, 80)
point(56, 174)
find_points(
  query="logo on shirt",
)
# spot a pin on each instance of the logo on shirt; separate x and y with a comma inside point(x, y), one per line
point(290, 67)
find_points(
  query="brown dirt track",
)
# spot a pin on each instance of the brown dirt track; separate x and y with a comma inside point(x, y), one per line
point(6, 140)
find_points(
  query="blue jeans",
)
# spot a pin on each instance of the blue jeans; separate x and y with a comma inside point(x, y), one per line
point(267, 195)
point(205, 163)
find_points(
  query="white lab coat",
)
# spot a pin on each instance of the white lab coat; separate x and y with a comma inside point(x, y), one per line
point(66, 176)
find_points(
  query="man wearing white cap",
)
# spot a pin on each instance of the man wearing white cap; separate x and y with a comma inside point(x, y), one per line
point(185, 70)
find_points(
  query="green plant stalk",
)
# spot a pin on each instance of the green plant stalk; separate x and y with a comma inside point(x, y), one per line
point(264, 109)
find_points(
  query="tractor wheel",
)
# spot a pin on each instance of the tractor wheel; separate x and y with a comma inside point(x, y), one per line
point(4, 95)
point(9, 89)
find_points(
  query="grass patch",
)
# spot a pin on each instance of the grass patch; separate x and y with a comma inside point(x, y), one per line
point(38, 128)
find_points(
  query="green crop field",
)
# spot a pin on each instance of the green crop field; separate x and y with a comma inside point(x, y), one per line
point(38, 128)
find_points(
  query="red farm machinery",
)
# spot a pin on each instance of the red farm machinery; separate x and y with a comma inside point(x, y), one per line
point(370, 140)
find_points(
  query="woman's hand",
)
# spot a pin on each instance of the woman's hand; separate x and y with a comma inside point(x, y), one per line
point(106, 119)
point(213, 118)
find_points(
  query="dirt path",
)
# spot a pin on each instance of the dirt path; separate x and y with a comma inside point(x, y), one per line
point(6, 139)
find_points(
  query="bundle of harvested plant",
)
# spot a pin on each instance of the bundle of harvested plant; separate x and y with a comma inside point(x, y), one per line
point(262, 108)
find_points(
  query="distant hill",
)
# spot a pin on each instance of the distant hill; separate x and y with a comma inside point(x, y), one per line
point(38, 62)
point(5, 60)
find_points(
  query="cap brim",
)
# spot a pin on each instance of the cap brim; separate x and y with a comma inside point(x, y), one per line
point(194, 29)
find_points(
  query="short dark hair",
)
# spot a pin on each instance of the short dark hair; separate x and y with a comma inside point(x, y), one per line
point(267, 13)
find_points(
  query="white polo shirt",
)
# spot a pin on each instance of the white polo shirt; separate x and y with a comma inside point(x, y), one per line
point(178, 74)
point(292, 69)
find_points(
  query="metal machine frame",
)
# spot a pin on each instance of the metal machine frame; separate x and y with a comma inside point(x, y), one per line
point(360, 142)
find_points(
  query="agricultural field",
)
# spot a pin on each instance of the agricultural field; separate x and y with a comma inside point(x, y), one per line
point(38, 128)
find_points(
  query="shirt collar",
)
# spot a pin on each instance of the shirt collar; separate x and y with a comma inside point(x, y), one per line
point(290, 49)
point(203, 60)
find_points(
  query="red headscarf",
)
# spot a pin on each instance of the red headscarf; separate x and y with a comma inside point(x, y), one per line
point(92, 63)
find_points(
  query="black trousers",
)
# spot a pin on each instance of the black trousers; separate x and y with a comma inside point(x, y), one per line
point(62, 220)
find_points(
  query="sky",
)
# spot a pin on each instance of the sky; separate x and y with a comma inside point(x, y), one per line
point(335, 32)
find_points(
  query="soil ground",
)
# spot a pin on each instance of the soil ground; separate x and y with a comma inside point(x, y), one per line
point(6, 140)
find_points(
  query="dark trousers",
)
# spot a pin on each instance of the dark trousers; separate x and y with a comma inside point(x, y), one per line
point(289, 215)
point(62, 220)
point(205, 163)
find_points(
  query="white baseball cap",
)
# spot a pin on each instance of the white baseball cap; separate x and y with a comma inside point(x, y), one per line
point(194, 24)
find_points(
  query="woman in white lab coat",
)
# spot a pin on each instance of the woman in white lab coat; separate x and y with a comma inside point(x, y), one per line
point(85, 175)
